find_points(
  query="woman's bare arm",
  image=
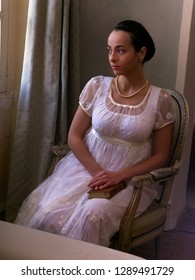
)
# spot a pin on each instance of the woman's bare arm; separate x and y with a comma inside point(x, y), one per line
point(80, 124)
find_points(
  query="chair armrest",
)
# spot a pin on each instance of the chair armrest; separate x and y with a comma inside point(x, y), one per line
point(142, 180)
point(157, 175)
point(165, 173)
point(138, 182)
point(60, 150)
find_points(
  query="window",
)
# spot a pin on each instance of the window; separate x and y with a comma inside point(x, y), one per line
point(3, 44)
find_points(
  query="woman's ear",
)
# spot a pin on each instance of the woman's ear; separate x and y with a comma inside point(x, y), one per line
point(142, 54)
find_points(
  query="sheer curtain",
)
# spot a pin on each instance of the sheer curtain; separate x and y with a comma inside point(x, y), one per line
point(50, 80)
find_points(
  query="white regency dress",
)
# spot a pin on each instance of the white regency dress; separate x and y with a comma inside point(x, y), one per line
point(120, 136)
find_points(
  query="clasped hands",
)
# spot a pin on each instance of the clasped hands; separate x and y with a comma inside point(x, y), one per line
point(104, 179)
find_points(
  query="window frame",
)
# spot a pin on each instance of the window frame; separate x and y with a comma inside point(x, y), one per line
point(3, 45)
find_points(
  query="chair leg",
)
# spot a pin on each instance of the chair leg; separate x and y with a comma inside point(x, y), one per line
point(157, 247)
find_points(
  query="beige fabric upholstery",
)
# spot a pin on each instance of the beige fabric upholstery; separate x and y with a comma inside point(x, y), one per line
point(153, 217)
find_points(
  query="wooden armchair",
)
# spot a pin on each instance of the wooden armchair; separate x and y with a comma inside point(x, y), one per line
point(149, 225)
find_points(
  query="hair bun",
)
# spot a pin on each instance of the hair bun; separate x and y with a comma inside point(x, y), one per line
point(140, 36)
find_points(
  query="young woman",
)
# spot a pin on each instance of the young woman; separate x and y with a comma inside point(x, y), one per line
point(122, 128)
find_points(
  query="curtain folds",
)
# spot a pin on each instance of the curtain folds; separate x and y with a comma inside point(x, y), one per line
point(50, 81)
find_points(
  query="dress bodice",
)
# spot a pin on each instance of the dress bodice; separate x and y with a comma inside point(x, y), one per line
point(129, 123)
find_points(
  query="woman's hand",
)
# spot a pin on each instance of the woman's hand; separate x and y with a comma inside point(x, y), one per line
point(105, 179)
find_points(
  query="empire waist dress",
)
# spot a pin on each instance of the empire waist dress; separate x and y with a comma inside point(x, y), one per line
point(120, 136)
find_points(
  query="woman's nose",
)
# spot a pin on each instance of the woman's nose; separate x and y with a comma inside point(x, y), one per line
point(112, 57)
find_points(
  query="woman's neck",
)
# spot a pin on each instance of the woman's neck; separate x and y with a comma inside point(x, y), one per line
point(130, 83)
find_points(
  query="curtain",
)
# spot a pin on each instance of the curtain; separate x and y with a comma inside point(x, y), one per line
point(50, 81)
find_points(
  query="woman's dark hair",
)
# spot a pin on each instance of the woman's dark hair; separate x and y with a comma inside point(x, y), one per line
point(139, 36)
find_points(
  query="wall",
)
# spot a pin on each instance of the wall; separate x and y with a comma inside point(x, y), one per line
point(97, 21)
point(185, 83)
point(8, 101)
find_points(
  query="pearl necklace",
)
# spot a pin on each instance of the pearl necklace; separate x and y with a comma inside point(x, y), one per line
point(131, 94)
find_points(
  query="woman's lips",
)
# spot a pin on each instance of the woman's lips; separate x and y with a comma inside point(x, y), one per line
point(115, 67)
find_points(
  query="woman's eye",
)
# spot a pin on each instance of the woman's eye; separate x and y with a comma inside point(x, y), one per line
point(121, 51)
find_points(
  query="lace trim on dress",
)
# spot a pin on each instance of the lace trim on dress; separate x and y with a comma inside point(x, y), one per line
point(165, 110)
point(124, 109)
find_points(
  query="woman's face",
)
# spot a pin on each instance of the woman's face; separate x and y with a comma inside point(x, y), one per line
point(122, 55)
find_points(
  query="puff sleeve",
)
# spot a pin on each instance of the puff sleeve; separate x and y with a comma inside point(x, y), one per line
point(88, 95)
point(165, 111)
